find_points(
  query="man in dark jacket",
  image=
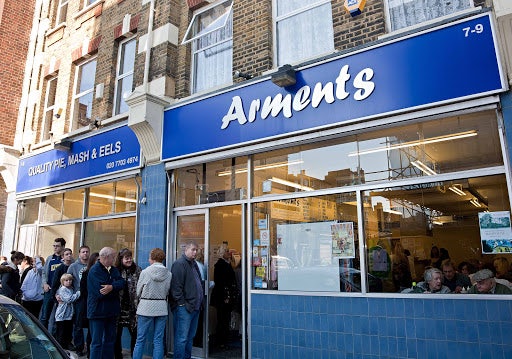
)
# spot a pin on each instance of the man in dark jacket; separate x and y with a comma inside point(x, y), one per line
point(103, 306)
point(186, 298)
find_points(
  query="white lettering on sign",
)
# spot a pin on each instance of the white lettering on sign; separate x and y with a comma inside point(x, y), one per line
point(330, 92)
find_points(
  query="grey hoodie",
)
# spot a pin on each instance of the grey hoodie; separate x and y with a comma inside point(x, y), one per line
point(152, 289)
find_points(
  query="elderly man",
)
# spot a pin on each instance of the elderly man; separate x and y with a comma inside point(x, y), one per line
point(486, 284)
point(433, 283)
point(103, 306)
point(453, 280)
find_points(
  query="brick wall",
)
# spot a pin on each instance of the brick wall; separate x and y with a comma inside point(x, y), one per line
point(14, 38)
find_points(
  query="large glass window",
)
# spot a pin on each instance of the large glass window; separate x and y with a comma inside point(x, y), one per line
point(412, 12)
point(47, 234)
point(298, 24)
point(211, 34)
point(117, 233)
point(124, 75)
point(411, 228)
point(112, 197)
point(49, 108)
point(63, 206)
point(417, 150)
point(212, 182)
point(83, 98)
point(307, 244)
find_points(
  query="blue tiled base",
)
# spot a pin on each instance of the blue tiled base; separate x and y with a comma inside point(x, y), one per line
point(305, 327)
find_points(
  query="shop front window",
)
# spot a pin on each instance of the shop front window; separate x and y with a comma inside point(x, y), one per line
point(63, 206)
point(417, 150)
point(307, 244)
point(117, 233)
point(409, 229)
point(213, 182)
point(47, 234)
point(112, 197)
point(28, 211)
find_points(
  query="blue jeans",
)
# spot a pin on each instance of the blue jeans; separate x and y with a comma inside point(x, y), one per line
point(145, 325)
point(185, 326)
point(46, 310)
point(103, 334)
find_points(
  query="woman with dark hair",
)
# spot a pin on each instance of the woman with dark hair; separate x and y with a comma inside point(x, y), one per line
point(130, 272)
point(32, 284)
point(93, 258)
point(10, 276)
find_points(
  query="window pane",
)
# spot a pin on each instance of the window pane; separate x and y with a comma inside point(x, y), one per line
point(412, 12)
point(110, 198)
point(207, 21)
point(52, 208)
point(213, 66)
point(116, 233)
point(127, 60)
point(84, 109)
point(86, 76)
point(417, 150)
point(307, 244)
point(124, 89)
point(29, 211)
point(73, 204)
point(70, 232)
point(419, 217)
point(297, 35)
point(213, 182)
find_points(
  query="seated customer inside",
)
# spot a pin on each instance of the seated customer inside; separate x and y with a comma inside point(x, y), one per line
point(433, 283)
point(485, 283)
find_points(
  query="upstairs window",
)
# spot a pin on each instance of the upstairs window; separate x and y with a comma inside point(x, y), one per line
point(49, 108)
point(404, 13)
point(211, 34)
point(62, 12)
point(124, 75)
point(83, 98)
point(303, 29)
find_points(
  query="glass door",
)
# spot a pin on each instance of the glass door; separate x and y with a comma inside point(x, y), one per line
point(193, 226)
point(219, 234)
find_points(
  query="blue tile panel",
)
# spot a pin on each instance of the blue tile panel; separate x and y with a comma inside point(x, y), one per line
point(305, 327)
point(152, 215)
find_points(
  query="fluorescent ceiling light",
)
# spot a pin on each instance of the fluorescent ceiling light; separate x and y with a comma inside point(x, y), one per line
point(423, 167)
point(117, 198)
point(425, 141)
point(455, 189)
point(394, 212)
point(262, 167)
point(475, 202)
point(290, 184)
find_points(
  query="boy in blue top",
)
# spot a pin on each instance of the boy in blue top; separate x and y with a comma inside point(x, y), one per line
point(51, 264)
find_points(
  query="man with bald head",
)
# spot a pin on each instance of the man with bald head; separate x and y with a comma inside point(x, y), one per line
point(103, 306)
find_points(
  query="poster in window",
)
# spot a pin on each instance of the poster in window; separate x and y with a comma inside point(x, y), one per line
point(343, 240)
point(495, 232)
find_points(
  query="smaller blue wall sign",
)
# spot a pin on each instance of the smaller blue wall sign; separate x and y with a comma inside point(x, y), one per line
point(105, 153)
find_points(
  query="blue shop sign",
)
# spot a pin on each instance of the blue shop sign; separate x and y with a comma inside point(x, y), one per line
point(444, 64)
point(105, 153)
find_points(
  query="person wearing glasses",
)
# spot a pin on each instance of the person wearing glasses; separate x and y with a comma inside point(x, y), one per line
point(52, 263)
point(453, 280)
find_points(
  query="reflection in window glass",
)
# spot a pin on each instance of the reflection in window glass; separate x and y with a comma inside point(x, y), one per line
point(417, 150)
point(70, 232)
point(116, 233)
point(73, 204)
point(52, 208)
point(410, 228)
point(28, 211)
point(85, 78)
point(113, 197)
point(307, 244)
point(219, 181)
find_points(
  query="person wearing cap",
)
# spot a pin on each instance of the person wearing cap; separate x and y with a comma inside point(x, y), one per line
point(486, 284)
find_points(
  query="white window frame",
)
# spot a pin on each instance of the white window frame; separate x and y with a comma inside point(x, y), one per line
point(121, 76)
point(62, 12)
point(276, 19)
point(389, 25)
point(216, 25)
point(77, 96)
point(49, 109)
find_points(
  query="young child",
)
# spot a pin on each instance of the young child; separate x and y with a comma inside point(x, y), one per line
point(64, 312)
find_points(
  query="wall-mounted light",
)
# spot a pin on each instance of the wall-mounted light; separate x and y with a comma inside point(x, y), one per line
point(62, 145)
point(284, 76)
point(243, 75)
point(58, 113)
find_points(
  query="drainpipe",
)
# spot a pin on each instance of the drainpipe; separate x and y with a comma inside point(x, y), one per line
point(149, 45)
